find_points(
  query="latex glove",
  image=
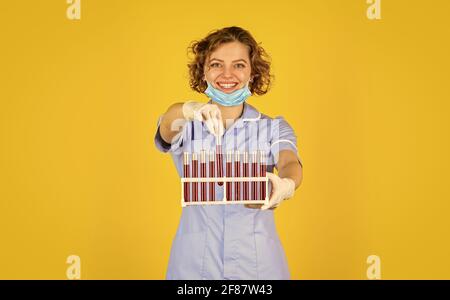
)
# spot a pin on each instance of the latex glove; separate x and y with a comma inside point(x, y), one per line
point(282, 189)
point(207, 113)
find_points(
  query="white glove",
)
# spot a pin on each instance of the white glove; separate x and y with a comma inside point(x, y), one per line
point(282, 189)
point(205, 112)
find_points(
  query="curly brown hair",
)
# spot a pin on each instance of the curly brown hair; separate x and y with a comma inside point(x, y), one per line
point(259, 60)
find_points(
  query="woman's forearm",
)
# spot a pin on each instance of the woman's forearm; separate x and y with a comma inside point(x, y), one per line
point(172, 122)
point(292, 170)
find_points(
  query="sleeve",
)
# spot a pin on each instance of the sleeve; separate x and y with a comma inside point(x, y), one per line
point(283, 138)
point(177, 142)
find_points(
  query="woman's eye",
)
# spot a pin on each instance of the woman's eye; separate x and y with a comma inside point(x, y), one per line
point(240, 65)
point(215, 65)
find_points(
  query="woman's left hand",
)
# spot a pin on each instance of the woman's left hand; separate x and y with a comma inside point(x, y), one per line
point(282, 189)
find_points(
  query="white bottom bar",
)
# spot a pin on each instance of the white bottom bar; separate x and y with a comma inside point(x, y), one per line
point(221, 202)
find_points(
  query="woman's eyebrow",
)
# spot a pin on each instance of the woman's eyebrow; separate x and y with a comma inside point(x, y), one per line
point(240, 60)
point(232, 61)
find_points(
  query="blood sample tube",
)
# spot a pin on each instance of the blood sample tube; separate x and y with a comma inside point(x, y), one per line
point(187, 191)
point(229, 165)
point(262, 173)
point(245, 172)
point(203, 174)
point(254, 174)
point(212, 174)
point(194, 175)
point(219, 159)
point(237, 173)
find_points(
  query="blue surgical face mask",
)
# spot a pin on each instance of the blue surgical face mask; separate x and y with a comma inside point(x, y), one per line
point(231, 99)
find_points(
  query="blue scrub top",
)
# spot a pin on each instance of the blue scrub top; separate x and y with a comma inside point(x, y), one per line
point(229, 241)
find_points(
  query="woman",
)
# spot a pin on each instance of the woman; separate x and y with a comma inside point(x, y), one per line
point(230, 241)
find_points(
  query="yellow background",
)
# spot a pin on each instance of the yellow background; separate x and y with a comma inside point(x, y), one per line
point(80, 100)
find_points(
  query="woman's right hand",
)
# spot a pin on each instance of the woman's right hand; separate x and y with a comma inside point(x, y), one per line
point(207, 113)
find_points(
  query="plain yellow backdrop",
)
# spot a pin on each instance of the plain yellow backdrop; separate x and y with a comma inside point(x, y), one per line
point(368, 99)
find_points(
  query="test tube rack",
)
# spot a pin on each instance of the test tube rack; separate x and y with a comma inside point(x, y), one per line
point(244, 181)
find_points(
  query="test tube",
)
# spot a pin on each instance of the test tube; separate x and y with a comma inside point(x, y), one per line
point(245, 172)
point(237, 173)
point(186, 174)
point(203, 174)
point(254, 174)
point(262, 173)
point(212, 174)
point(194, 175)
point(219, 158)
point(229, 164)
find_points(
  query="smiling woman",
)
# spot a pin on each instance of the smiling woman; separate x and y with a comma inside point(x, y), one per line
point(236, 68)
point(235, 241)
point(239, 58)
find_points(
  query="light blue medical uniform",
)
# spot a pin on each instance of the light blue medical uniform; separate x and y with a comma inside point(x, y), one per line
point(229, 241)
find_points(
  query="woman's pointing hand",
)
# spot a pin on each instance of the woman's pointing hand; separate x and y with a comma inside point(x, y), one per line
point(207, 113)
